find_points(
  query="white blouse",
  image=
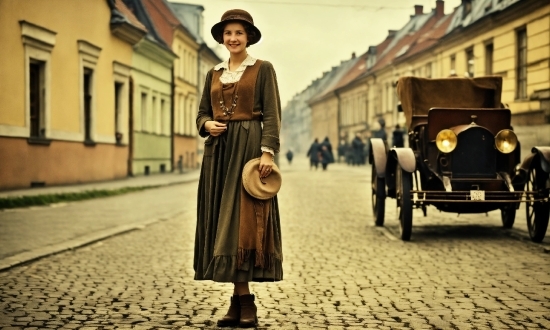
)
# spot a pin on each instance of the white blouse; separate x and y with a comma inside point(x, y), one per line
point(229, 77)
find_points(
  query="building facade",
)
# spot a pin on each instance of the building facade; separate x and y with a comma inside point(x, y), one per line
point(65, 91)
point(204, 59)
point(484, 37)
point(151, 120)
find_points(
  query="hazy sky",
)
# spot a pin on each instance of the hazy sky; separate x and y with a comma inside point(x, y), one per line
point(304, 38)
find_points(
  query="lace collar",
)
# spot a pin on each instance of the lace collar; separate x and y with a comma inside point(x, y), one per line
point(248, 61)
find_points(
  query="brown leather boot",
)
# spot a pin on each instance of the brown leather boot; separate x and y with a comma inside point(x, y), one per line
point(232, 318)
point(249, 318)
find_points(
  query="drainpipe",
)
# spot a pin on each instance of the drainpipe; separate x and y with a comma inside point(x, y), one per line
point(172, 109)
point(130, 127)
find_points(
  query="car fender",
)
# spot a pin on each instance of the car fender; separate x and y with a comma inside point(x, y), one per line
point(377, 154)
point(544, 156)
point(541, 154)
point(406, 160)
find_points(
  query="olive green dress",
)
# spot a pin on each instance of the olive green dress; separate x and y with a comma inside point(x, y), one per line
point(218, 205)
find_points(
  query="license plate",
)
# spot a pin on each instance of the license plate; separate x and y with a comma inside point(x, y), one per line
point(477, 195)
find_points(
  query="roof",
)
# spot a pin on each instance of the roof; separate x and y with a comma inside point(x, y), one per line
point(462, 17)
point(362, 71)
point(188, 14)
point(138, 8)
point(405, 41)
point(128, 15)
point(338, 73)
point(164, 19)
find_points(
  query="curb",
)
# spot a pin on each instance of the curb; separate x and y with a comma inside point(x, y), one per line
point(72, 244)
point(149, 186)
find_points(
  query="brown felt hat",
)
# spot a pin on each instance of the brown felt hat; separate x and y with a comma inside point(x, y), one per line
point(236, 15)
point(261, 188)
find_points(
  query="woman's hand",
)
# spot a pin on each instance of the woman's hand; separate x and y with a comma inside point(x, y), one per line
point(266, 164)
point(215, 128)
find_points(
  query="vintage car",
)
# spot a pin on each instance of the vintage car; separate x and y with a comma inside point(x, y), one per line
point(463, 157)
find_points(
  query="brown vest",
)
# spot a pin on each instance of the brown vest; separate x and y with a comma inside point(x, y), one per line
point(242, 91)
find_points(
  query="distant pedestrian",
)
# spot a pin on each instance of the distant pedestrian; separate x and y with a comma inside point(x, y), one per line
point(397, 137)
point(342, 151)
point(327, 156)
point(314, 154)
point(358, 150)
point(289, 156)
point(238, 236)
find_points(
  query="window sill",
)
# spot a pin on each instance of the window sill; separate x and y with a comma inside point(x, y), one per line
point(39, 141)
point(89, 143)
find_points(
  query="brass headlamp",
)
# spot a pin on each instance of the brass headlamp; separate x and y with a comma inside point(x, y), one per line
point(506, 141)
point(446, 141)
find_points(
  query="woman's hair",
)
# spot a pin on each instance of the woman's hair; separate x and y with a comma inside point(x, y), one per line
point(250, 33)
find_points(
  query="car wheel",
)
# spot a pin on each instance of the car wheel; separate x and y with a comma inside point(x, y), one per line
point(537, 212)
point(403, 195)
point(508, 215)
point(378, 197)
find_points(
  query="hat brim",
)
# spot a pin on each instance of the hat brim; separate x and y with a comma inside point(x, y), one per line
point(254, 185)
point(217, 30)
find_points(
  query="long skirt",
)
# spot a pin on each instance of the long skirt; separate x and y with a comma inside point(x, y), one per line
point(217, 233)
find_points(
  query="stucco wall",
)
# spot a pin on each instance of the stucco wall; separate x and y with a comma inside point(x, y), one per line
point(61, 162)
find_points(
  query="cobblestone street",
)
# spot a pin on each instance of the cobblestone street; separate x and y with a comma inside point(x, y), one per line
point(341, 272)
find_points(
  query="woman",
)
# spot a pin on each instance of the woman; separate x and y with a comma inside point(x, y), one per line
point(238, 238)
point(314, 154)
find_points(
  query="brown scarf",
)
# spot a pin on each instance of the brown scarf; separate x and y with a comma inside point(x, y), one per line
point(255, 232)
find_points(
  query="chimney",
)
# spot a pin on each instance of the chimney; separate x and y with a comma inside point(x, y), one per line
point(353, 55)
point(391, 33)
point(418, 10)
point(439, 8)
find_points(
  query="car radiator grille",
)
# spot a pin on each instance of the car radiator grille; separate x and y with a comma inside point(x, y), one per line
point(475, 154)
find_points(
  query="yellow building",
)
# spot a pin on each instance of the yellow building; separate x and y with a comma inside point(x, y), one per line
point(325, 105)
point(65, 91)
point(509, 38)
point(514, 42)
point(194, 62)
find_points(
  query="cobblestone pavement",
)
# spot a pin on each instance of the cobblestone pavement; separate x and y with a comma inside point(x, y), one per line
point(341, 272)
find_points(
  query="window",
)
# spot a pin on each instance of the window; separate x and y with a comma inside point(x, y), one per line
point(154, 121)
point(89, 56)
point(181, 119)
point(87, 97)
point(489, 59)
point(389, 97)
point(38, 44)
point(467, 4)
point(121, 82)
point(164, 120)
point(453, 65)
point(118, 110)
point(144, 112)
point(36, 99)
point(470, 62)
point(429, 70)
point(179, 65)
point(521, 65)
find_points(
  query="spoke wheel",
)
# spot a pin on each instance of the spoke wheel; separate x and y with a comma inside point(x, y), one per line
point(508, 215)
point(404, 205)
point(538, 213)
point(378, 197)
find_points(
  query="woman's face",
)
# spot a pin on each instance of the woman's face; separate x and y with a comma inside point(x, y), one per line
point(235, 38)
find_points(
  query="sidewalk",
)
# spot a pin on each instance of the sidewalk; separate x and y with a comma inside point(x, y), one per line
point(31, 233)
point(138, 181)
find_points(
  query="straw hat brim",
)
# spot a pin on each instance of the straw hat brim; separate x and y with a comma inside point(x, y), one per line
point(261, 188)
